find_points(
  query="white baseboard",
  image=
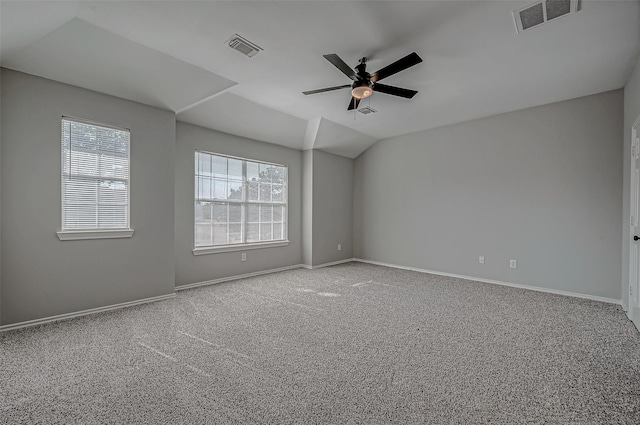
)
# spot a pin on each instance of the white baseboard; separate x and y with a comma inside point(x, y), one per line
point(497, 282)
point(333, 263)
point(236, 277)
point(59, 317)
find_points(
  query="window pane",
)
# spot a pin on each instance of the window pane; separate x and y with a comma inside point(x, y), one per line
point(80, 216)
point(203, 234)
point(277, 213)
point(265, 192)
point(219, 189)
point(253, 232)
point(204, 187)
point(220, 212)
point(277, 232)
point(219, 234)
point(253, 171)
point(277, 193)
point(235, 189)
point(111, 166)
point(79, 190)
point(278, 175)
point(265, 232)
point(265, 173)
point(81, 163)
point(112, 216)
point(254, 213)
point(219, 166)
point(203, 211)
point(235, 233)
point(265, 213)
point(235, 213)
point(253, 191)
point(112, 192)
point(235, 169)
point(204, 165)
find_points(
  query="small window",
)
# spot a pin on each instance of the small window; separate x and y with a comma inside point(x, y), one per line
point(95, 177)
point(238, 201)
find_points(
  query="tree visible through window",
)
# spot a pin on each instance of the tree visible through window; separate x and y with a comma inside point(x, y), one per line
point(238, 201)
point(95, 176)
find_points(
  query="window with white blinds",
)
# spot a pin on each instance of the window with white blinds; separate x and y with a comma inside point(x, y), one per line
point(95, 176)
point(238, 201)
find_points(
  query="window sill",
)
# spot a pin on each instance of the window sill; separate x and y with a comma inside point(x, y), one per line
point(231, 248)
point(74, 235)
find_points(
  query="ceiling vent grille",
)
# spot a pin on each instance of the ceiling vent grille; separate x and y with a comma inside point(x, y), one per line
point(541, 12)
point(243, 45)
point(367, 110)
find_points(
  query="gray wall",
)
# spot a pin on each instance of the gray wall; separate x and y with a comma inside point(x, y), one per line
point(542, 186)
point(307, 207)
point(43, 276)
point(631, 112)
point(194, 269)
point(332, 207)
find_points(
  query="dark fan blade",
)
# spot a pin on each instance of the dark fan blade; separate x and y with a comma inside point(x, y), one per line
point(353, 104)
point(327, 89)
point(339, 63)
point(396, 91)
point(399, 65)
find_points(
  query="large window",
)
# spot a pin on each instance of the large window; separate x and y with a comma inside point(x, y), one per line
point(238, 201)
point(95, 177)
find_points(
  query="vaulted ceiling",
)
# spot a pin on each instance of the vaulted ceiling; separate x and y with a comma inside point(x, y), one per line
point(172, 54)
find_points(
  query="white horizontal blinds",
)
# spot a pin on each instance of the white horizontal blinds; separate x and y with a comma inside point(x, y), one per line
point(95, 176)
point(238, 201)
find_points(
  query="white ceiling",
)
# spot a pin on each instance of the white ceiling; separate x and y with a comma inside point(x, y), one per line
point(475, 64)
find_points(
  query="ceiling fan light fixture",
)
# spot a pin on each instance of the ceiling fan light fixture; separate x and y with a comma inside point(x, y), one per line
point(361, 89)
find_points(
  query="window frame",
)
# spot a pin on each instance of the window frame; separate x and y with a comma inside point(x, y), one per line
point(213, 249)
point(95, 233)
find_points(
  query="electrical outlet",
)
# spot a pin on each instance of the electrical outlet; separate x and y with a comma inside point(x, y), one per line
point(339, 247)
point(244, 256)
point(481, 259)
point(513, 264)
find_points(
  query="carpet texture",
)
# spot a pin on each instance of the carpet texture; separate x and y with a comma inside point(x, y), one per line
point(350, 344)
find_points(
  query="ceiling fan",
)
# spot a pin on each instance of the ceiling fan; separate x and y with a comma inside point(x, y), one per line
point(364, 83)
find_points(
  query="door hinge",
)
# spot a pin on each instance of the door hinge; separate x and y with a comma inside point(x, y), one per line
point(630, 290)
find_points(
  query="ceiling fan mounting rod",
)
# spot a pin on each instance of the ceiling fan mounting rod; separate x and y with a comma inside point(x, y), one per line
point(362, 69)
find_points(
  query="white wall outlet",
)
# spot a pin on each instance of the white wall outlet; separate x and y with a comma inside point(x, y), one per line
point(481, 259)
point(244, 256)
point(513, 264)
point(339, 247)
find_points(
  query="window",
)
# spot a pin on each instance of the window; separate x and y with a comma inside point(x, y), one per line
point(95, 181)
point(238, 202)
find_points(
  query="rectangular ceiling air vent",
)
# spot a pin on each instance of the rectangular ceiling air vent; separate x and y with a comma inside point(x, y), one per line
point(541, 12)
point(367, 110)
point(243, 45)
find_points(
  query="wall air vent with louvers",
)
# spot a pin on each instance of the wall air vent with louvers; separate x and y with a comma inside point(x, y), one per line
point(541, 12)
point(243, 45)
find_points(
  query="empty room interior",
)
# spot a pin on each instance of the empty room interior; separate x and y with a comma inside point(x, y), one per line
point(320, 212)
